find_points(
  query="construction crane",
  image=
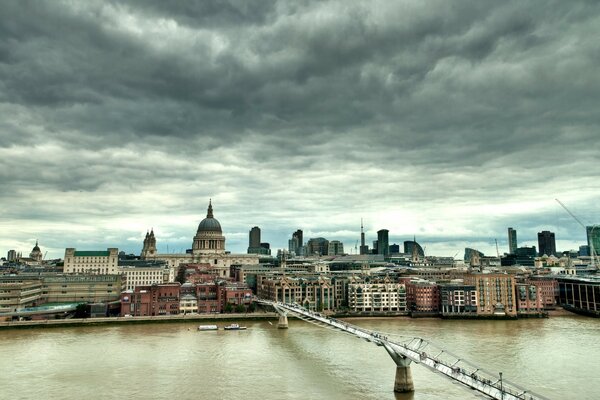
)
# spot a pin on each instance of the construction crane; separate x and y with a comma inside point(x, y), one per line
point(497, 251)
point(592, 250)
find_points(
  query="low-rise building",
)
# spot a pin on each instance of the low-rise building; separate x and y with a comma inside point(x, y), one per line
point(548, 288)
point(151, 300)
point(315, 292)
point(188, 304)
point(422, 296)
point(495, 293)
point(458, 299)
point(143, 272)
point(16, 294)
point(377, 296)
point(85, 288)
point(529, 299)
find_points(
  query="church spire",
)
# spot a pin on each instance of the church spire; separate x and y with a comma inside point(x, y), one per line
point(209, 214)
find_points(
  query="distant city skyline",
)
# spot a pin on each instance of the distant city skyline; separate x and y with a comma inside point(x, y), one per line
point(446, 121)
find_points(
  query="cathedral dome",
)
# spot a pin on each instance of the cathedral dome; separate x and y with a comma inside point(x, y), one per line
point(209, 224)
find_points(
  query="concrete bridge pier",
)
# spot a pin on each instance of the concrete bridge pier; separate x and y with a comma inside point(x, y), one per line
point(283, 322)
point(283, 319)
point(403, 383)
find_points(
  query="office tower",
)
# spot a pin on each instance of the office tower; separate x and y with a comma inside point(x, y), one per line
point(383, 243)
point(335, 248)
point(254, 244)
point(254, 237)
point(512, 240)
point(593, 239)
point(410, 245)
point(317, 246)
point(546, 243)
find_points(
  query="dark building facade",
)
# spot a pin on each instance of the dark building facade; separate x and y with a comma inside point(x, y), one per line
point(383, 242)
point(581, 295)
point(546, 243)
point(317, 246)
point(512, 241)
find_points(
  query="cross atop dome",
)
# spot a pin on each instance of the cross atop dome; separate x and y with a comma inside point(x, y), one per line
point(209, 214)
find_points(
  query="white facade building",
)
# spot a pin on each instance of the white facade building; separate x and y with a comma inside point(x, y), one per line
point(382, 296)
point(145, 276)
point(91, 262)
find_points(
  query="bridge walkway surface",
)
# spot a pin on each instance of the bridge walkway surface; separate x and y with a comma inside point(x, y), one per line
point(404, 349)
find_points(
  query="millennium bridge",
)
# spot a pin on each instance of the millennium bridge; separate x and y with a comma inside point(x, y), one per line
point(406, 350)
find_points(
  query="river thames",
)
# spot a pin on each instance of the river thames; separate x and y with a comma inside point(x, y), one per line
point(557, 357)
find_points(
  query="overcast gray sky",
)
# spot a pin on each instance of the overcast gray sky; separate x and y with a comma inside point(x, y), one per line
point(446, 120)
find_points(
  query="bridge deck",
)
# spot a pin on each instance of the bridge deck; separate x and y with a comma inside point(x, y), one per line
point(422, 352)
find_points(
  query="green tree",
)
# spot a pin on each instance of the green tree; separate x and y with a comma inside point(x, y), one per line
point(240, 308)
point(251, 307)
point(228, 308)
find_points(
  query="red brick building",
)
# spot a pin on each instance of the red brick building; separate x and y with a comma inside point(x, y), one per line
point(548, 289)
point(160, 299)
point(422, 296)
point(528, 299)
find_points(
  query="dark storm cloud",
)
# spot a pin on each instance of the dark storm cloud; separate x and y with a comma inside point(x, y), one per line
point(411, 104)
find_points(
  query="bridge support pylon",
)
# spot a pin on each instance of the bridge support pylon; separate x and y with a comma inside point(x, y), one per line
point(283, 319)
point(283, 322)
point(403, 383)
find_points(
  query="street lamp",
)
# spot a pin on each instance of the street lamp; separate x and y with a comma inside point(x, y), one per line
point(501, 389)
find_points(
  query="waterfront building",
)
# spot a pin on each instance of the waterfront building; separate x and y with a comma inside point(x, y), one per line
point(151, 300)
point(383, 242)
point(335, 248)
point(546, 243)
point(548, 289)
point(529, 299)
point(315, 293)
point(317, 246)
point(236, 293)
point(422, 296)
point(91, 262)
point(495, 293)
point(208, 247)
point(580, 294)
point(512, 240)
point(376, 296)
point(144, 272)
point(17, 293)
point(209, 298)
point(188, 304)
point(85, 288)
point(458, 299)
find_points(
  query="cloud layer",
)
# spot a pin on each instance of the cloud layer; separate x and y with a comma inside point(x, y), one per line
point(446, 120)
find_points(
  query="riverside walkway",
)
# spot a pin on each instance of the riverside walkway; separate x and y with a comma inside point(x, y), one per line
point(405, 350)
